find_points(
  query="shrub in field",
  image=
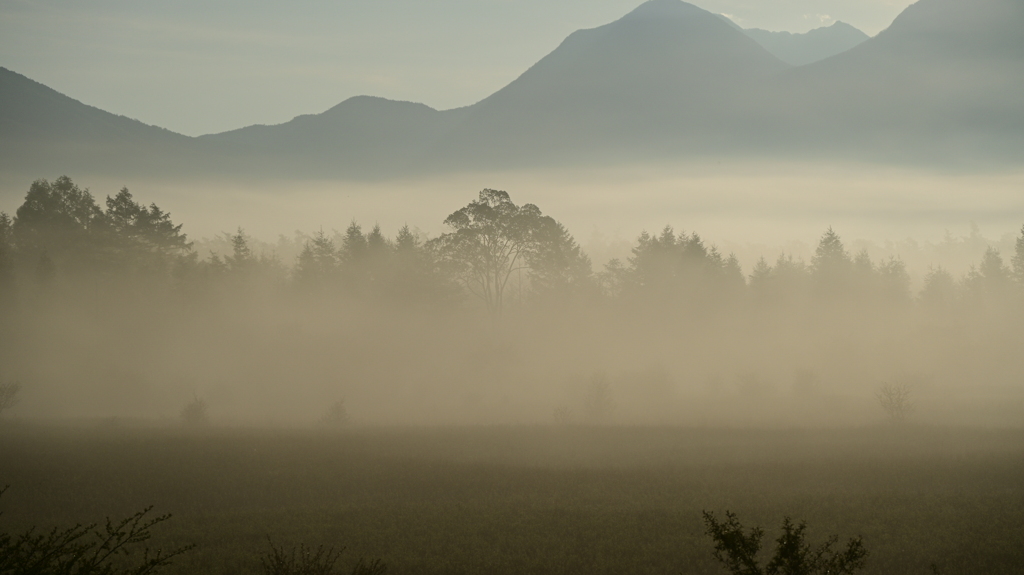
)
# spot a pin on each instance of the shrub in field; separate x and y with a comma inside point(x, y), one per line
point(309, 561)
point(895, 401)
point(335, 416)
point(563, 415)
point(738, 551)
point(195, 413)
point(9, 395)
point(86, 550)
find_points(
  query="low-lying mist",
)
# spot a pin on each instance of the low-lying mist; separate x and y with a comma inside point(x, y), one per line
point(871, 279)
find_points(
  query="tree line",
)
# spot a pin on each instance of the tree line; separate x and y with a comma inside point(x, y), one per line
point(494, 252)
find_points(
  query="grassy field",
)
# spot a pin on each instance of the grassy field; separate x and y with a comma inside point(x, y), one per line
point(530, 500)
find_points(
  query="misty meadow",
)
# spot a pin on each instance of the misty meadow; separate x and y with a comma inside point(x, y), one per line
point(501, 319)
point(395, 369)
point(730, 288)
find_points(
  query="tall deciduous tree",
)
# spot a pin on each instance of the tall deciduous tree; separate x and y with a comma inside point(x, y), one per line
point(491, 239)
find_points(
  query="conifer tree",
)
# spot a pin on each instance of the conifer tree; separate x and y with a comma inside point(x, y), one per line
point(1018, 260)
point(831, 265)
point(317, 265)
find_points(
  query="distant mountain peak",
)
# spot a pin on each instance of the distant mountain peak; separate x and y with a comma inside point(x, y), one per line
point(663, 9)
point(809, 47)
point(839, 24)
point(372, 103)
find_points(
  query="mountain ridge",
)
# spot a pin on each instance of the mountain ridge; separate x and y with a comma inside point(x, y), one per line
point(809, 47)
point(667, 80)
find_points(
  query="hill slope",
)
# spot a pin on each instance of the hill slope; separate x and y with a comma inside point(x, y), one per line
point(359, 137)
point(50, 133)
point(944, 80)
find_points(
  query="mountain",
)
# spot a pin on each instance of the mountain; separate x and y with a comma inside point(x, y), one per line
point(943, 80)
point(812, 46)
point(667, 81)
point(665, 71)
point(50, 133)
point(361, 136)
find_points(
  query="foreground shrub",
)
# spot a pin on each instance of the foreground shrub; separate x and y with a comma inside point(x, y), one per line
point(194, 414)
point(793, 556)
point(86, 550)
point(309, 561)
point(335, 416)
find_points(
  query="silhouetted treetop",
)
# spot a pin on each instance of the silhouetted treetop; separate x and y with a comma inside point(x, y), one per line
point(1018, 259)
point(56, 218)
point(60, 226)
point(494, 251)
point(831, 264)
point(492, 238)
point(681, 268)
point(317, 265)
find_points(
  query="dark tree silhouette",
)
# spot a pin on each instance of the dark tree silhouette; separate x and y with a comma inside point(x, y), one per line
point(491, 239)
point(241, 260)
point(353, 246)
point(317, 266)
point(831, 265)
point(558, 267)
point(738, 551)
point(142, 235)
point(1018, 259)
point(781, 285)
point(674, 269)
point(940, 289)
point(353, 255)
point(59, 228)
point(991, 283)
point(894, 399)
point(87, 549)
point(60, 220)
point(6, 259)
point(894, 282)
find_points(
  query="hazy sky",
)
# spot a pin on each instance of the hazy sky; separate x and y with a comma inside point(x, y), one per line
point(213, 65)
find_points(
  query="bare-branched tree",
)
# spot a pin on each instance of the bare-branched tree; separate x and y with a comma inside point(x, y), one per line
point(895, 401)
